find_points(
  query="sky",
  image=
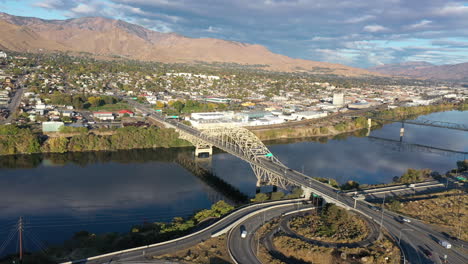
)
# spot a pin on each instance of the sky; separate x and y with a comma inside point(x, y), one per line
point(360, 33)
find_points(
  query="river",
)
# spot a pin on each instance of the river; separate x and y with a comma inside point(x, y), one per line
point(60, 194)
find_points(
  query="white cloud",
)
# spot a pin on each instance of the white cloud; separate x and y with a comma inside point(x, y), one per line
point(421, 24)
point(83, 9)
point(360, 19)
point(453, 9)
point(374, 28)
point(212, 29)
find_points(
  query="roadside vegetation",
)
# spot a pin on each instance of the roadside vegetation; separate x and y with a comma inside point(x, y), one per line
point(448, 210)
point(292, 250)
point(212, 251)
point(277, 195)
point(382, 251)
point(15, 140)
point(334, 224)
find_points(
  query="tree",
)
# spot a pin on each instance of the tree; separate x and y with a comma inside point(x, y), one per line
point(277, 196)
point(350, 185)
point(260, 197)
point(178, 105)
point(95, 101)
point(159, 104)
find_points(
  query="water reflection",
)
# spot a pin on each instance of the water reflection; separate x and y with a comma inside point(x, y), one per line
point(109, 191)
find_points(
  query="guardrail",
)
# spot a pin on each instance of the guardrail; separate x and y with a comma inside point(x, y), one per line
point(243, 208)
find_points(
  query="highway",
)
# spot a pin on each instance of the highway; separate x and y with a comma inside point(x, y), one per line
point(220, 227)
point(244, 250)
point(414, 238)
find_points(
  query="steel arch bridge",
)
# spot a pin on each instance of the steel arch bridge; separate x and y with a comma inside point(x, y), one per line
point(242, 143)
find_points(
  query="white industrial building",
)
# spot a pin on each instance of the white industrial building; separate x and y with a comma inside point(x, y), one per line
point(3, 54)
point(104, 116)
point(308, 115)
point(338, 99)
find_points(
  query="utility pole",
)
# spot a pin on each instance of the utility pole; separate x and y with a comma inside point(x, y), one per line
point(20, 234)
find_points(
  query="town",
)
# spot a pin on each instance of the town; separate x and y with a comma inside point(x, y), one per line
point(60, 91)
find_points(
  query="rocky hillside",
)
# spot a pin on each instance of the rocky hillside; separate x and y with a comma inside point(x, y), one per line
point(103, 36)
point(425, 70)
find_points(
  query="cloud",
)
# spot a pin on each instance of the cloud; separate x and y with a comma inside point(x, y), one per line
point(212, 29)
point(374, 28)
point(421, 24)
point(83, 9)
point(298, 28)
point(56, 4)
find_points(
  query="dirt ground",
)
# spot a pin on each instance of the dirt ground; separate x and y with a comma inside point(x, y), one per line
point(212, 251)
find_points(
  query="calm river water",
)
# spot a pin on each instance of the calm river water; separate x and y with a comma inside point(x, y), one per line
point(58, 195)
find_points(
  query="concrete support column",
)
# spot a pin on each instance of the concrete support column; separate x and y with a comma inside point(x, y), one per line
point(307, 192)
point(257, 186)
point(203, 149)
point(402, 131)
point(369, 125)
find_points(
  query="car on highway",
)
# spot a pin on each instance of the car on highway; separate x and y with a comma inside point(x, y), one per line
point(445, 244)
point(403, 220)
point(375, 208)
point(243, 232)
point(427, 252)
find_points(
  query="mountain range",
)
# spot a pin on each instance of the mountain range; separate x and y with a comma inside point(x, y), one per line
point(424, 70)
point(110, 37)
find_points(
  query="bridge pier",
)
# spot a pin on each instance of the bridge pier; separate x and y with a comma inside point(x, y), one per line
point(203, 149)
point(369, 125)
point(402, 131)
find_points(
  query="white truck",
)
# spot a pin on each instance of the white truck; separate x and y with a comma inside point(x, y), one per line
point(445, 244)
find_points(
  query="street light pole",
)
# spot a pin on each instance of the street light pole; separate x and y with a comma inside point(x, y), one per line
point(399, 236)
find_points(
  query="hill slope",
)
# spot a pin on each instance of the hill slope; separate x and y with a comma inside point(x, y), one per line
point(425, 70)
point(103, 36)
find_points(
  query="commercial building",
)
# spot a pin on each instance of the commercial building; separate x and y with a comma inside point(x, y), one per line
point(125, 112)
point(338, 99)
point(104, 116)
point(308, 115)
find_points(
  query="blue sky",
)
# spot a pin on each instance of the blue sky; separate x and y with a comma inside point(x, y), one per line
point(358, 33)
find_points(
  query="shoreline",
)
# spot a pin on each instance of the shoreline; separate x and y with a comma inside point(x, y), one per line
point(341, 125)
point(93, 141)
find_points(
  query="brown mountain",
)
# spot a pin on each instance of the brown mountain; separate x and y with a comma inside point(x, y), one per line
point(103, 36)
point(13, 37)
point(425, 70)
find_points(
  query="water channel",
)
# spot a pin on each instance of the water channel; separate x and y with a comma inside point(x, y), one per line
point(60, 194)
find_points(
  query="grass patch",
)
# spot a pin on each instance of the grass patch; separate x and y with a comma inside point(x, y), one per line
point(111, 107)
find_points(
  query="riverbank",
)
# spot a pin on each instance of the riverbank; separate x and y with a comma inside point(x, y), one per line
point(339, 124)
point(16, 140)
point(22, 140)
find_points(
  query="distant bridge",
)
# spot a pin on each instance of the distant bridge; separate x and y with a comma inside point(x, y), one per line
point(425, 122)
point(416, 147)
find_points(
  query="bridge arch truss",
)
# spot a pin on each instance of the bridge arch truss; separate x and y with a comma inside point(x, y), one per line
point(245, 145)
